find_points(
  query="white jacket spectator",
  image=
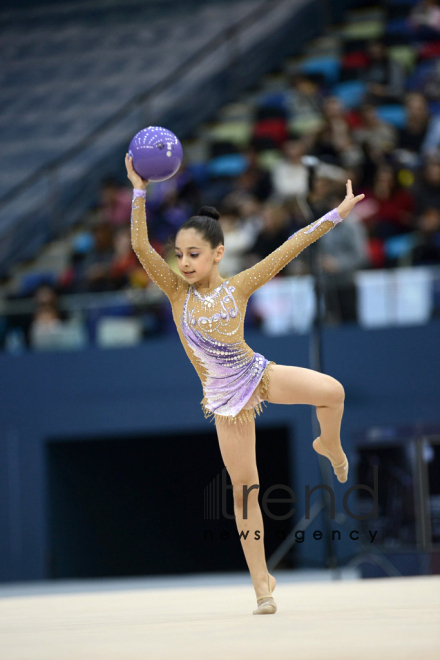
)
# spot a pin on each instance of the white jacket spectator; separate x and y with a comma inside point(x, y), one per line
point(239, 237)
point(290, 178)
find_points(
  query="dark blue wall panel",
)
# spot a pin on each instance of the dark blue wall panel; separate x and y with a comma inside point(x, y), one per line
point(390, 377)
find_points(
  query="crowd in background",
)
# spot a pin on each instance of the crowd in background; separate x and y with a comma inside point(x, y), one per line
point(267, 199)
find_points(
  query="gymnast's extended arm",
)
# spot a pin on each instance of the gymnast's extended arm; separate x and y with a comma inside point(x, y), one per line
point(253, 278)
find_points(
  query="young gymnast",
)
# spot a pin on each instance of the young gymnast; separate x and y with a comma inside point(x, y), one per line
point(209, 314)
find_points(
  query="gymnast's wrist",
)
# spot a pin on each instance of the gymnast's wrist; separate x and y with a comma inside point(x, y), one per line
point(139, 192)
point(336, 216)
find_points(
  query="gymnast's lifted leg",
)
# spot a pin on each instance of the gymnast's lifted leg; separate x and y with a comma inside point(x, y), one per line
point(289, 385)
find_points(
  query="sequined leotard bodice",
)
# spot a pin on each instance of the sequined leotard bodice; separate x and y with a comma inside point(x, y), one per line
point(234, 378)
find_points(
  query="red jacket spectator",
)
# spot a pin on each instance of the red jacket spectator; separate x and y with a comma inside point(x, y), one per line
point(387, 209)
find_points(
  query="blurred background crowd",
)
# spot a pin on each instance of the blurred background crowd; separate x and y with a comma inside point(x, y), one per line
point(272, 162)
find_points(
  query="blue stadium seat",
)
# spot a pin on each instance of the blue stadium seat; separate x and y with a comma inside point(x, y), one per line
point(399, 26)
point(392, 114)
point(272, 100)
point(399, 246)
point(31, 281)
point(227, 165)
point(200, 172)
point(434, 107)
point(350, 92)
point(329, 67)
point(420, 74)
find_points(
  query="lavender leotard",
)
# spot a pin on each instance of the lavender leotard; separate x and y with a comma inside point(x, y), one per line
point(234, 378)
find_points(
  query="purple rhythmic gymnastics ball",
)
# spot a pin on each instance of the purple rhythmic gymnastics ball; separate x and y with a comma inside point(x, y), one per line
point(157, 153)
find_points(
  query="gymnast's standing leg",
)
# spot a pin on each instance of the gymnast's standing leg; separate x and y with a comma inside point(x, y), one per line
point(288, 385)
point(237, 447)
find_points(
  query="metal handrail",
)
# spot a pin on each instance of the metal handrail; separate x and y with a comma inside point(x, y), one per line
point(137, 296)
point(79, 301)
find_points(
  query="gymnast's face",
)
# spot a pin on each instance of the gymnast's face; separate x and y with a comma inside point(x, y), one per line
point(194, 255)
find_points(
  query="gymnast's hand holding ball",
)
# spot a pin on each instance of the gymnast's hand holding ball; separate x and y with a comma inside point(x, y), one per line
point(136, 180)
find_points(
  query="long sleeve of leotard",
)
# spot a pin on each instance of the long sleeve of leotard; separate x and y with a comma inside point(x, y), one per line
point(156, 267)
point(253, 278)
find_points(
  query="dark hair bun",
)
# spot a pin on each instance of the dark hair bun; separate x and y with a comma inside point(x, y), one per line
point(209, 211)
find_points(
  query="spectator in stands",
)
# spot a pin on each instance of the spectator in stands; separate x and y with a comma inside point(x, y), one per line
point(304, 99)
point(290, 177)
point(46, 324)
point(169, 214)
point(276, 229)
point(390, 207)
point(46, 297)
point(431, 143)
point(341, 254)
point(250, 211)
point(384, 76)
point(320, 196)
point(379, 136)
point(366, 171)
point(90, 271)
point(356, 140)
point(334, 138)
point(188, 192)
point(428, 83)
point(413, 133)
point(216, 189)
point(115, 203)
point(239, 236)
point(426, 189)
point(426, 14)
point(426, 250)
point(255, 181)
point(125, 261)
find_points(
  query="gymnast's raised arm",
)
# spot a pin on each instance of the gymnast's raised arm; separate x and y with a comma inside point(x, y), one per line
point(253, 278)
point(156, 267)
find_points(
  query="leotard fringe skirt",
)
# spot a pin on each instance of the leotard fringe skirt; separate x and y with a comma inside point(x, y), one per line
point(252, 407)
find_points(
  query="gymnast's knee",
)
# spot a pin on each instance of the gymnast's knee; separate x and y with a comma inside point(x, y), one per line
point(336, 393)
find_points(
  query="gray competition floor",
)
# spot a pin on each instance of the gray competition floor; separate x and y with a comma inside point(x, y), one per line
point(210, 616)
